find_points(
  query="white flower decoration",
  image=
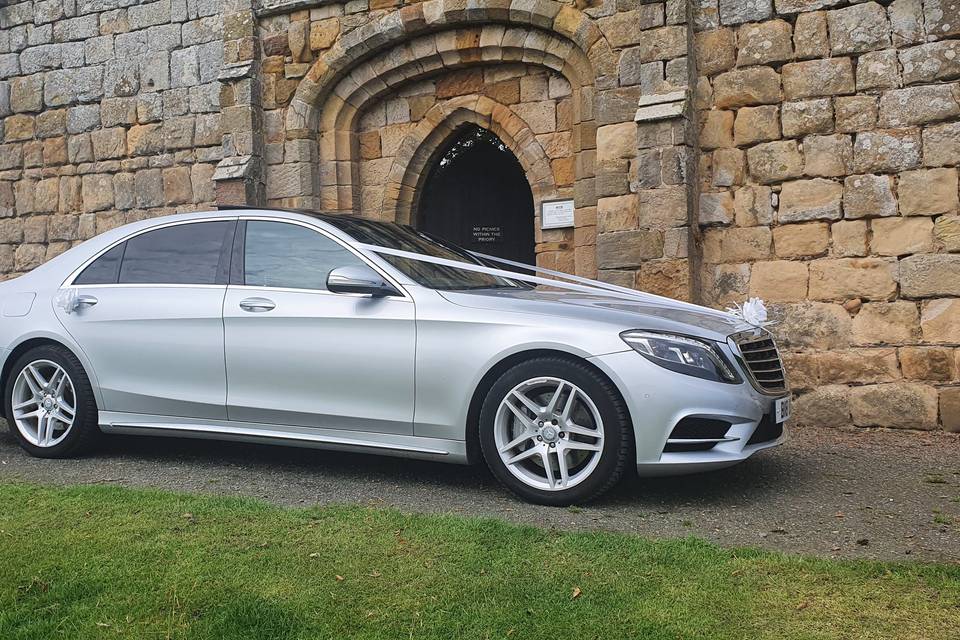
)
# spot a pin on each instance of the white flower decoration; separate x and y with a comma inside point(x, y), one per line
point(753, 312)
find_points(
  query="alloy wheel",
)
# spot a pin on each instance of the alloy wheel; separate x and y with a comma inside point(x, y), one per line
point(549, 433)
point(44, 403)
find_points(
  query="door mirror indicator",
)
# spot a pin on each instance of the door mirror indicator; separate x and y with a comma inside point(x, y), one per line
point(359, 279)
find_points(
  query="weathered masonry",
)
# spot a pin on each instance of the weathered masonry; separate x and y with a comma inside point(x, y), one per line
point(803, 151)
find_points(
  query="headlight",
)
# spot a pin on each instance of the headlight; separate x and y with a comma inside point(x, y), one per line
point(682, 354)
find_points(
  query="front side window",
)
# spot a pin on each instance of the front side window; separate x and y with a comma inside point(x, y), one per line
point(289, 256)
point(434, 276)
point(181, 254)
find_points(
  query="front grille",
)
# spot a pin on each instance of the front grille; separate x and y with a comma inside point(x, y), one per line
point(762, 361)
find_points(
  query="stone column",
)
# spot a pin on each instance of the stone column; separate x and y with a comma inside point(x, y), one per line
point(239, 176)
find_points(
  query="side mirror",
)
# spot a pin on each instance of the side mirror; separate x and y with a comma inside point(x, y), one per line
point(359, 279)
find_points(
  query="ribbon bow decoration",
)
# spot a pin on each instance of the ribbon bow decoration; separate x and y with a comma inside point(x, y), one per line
point(753, 312)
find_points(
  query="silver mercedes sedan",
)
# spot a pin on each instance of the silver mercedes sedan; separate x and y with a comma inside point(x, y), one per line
point(343, 333)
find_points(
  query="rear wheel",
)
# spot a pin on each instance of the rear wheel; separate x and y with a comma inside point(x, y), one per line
point(555, 432)
point(49, 403)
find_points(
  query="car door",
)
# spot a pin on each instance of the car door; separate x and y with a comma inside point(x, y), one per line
point(298, 354)
point(149, 319)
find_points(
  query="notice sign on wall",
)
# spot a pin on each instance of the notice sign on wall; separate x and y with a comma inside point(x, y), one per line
point(556, 214)
point(487, 234)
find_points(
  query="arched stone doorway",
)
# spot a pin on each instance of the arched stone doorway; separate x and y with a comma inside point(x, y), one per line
point(475, 194)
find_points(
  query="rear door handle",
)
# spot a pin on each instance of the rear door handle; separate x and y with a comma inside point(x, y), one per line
point(85, 301)
point(257, 305)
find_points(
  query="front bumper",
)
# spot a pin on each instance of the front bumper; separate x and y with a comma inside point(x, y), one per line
point(658, 399)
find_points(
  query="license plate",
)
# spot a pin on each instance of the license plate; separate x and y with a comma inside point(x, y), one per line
point(781, 409)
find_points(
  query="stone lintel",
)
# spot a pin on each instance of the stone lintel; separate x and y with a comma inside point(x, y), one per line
point(661, 107)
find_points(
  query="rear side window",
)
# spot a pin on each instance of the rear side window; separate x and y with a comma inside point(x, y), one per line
point(103, 270)
point(289, 256)
point(182, 254)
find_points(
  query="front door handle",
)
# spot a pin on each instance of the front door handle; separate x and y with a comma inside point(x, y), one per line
point(85, 301)
point(257, 305)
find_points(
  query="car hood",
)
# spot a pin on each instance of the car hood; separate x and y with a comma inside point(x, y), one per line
point(653, 315)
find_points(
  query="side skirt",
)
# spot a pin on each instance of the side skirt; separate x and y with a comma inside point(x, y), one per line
point(453, 451)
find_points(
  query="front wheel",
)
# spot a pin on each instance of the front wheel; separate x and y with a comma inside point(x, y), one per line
point(50, 404)
point(555, 432)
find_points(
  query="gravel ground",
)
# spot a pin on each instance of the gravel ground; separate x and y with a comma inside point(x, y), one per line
point(827, 492)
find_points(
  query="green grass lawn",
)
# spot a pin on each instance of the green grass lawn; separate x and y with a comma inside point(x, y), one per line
point(103, 562)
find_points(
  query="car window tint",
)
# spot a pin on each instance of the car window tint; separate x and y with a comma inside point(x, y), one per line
point(103, 270)
point(181, 254)
point(290, 256)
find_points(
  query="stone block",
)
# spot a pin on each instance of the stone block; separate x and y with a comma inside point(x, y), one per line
point(26, 93)
point(815, 199)
point(868, 196)
point(201, 179)
point(740, 11)
point(746, 87)
point(855, 113)
point(886, 150)
point(148, 186)
point(810, 35)
point(806, 117)
point(745, 244)
point(628, 248)
point(663, 43)
point(813, 325)
point(801, 240)
point(29, 257)
point(902, 236)
point(946, 231)
point(124, 191)
point(753, 206)
point(941, 144)
point(931, 62)
point(825, 406)
point(18, 128)
point(764, 43)
point(68, 86)
point(716, 208)
point(184, 67)
point(878, 70)
point(930, 276)
point(669, 278)
point(617, 213)
point(859, 28)
point(145, 140)
point(827, 156)
point(940, 321)
point(918, 105)
point(906, 21)
point(177, 187)
point(756, 124)
point(815, 78)
point(859, 366)
point(47, 196)
point(928, 192)
point(85, 117)
point(779, 281)
point(541, 117)
point(845, 278)
point(663, 208)
point(109, 144)
point(71, 197)
point(323, 33)
point(716, 129)
point(901, 405)
point(616, 141)
point(97, 190)
point(941, 18)
point(729, 167)
point(775, 161)
point(716, 51)
point(928, 363)
point(950, 409)
point(886, 323)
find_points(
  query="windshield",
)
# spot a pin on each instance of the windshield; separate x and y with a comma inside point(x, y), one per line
point(404, 238)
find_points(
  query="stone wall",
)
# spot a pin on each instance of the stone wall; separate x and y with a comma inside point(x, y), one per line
point(110, 113)
point(804, 151)
point(828, 180)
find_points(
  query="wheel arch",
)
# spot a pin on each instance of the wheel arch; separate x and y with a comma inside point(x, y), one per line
point(31, 343)
point(488, 379)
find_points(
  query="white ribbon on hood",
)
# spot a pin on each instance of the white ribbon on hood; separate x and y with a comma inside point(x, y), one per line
point(573, 283)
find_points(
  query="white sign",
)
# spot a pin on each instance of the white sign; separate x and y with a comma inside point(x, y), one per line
point(557, 214)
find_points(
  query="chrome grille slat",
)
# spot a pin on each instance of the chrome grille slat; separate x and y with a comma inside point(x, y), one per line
point(761, 357)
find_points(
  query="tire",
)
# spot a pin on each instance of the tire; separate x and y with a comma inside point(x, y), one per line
point(595, 455)
point(60, 441)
